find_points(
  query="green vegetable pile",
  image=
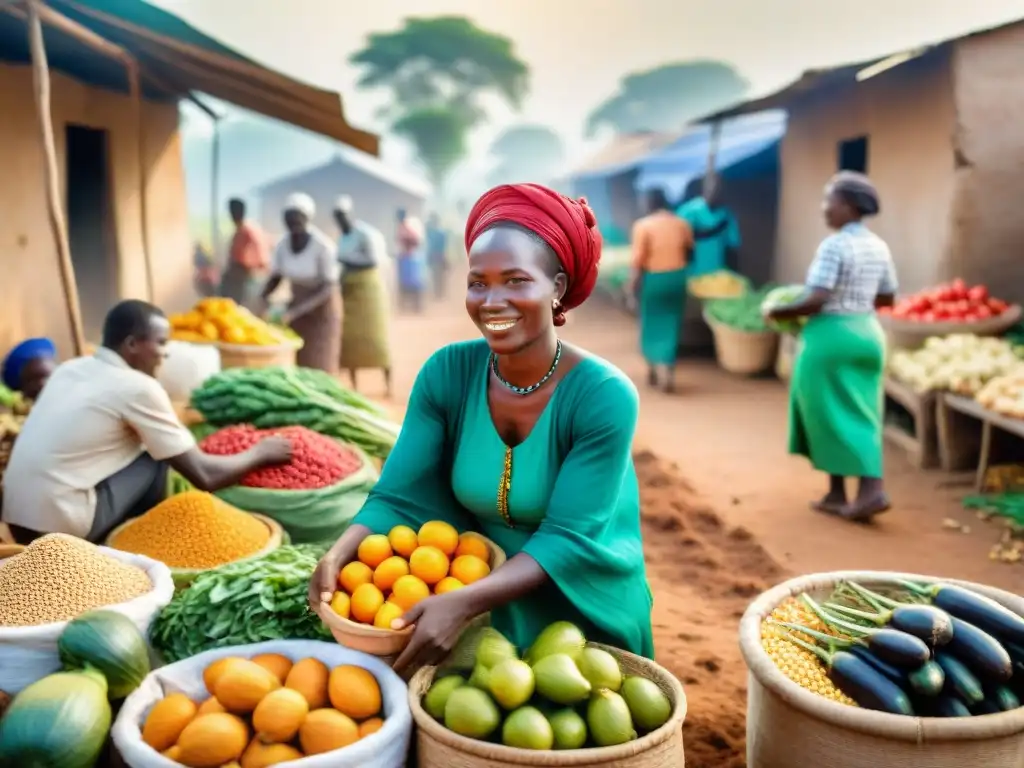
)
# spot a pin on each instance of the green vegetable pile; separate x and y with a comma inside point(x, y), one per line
point(304, 397)
point(742, 313)
point(261, 599)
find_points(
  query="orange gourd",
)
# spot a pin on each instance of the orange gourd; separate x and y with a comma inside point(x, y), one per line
point(260, 755)
point(326, 730)
point(166, 720)
point(278, 717)
point(310, 678)
point(354, 691)
point(212, 740)
point(243, 685)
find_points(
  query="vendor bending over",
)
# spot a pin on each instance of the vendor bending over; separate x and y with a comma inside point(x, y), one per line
point(95, 448)
point(28, 366)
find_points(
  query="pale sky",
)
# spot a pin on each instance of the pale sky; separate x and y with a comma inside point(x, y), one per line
point(579, 49)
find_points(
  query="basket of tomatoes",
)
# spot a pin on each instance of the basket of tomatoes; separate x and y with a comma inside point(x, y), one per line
point(953, 307)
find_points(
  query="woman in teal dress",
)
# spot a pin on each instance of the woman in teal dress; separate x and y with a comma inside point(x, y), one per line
point(524, 438)
point(836, 396)
point(716, 233)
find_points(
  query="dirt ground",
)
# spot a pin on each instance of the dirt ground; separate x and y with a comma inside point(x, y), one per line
point(725, 513)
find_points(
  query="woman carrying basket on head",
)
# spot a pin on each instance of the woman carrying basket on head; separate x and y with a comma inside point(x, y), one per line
point(524, 438)
point(836, 397)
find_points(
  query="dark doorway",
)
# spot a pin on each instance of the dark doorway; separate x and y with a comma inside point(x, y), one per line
point(91, 224)
point(853, 155)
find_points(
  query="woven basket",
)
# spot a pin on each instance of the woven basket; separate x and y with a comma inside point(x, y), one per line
point(788, 726)
point(385, 643)
point(904, 334)
point(437, 747)
point(747, 353)
point(243, 356)
point(184, 576)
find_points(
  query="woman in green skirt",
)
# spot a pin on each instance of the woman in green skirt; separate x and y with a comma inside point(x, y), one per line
point(524, 438)
point(836, 395)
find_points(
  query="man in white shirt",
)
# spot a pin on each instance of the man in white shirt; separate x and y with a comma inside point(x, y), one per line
point(95, 449)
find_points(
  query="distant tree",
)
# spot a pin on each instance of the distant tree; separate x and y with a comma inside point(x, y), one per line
point(436, 65)
point(666, 97)
point(526, 153)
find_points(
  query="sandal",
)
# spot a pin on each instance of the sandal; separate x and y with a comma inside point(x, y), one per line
point(867, 511)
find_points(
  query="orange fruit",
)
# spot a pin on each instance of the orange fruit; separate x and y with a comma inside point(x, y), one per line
point(354, 575)
point(372, 725)
point(439, 534)
point(366, 601)
point(326, 730)
point(429, 563)
point(407, 591)
point(341, 604)
point(387, 613)
point(388, 572)
point(276, 664)
point(447, 584)
point(469, 568)
point(374, 549)
point(403, 540)
point(310, 677)
point(470, 544)
point(354, 691)
point(214, 671)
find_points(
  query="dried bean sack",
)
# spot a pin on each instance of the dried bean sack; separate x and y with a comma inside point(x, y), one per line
point(57, 578)
point(315, 496)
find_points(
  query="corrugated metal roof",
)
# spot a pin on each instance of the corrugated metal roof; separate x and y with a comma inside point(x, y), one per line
point(354, 159)
point(623, 153)
point(813, 80)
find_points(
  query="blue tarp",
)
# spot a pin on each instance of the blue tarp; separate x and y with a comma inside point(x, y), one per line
point(675, 166)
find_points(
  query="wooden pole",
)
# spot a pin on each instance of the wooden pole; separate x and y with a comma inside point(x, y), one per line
point(711, 174)
point(215, 193)
point(41, 80)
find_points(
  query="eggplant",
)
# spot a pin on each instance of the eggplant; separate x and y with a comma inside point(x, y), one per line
point(950, 706)
point(983, 612)
point(1004, 698)
point(981, 652)
point(930, 624)
point(960, 681)
point(985, 707)
point(897, 675)
point(928, 680)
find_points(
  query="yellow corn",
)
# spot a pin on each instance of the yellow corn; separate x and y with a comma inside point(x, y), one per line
point(799, 665)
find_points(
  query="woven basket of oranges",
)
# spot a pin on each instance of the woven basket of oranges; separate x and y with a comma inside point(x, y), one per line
point(394, 571)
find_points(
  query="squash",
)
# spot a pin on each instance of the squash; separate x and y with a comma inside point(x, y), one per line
point(279, 715)
point(260, 755)
point(243, 685)
point(310, 677)
point(109, 642)
point(276, 664)
point(212, 740)
point(61, 721)
point(326, 730)
point(167, 719)
point(210, 706)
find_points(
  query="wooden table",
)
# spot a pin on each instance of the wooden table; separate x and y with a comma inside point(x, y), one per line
point(989, 419)
point(922, 446)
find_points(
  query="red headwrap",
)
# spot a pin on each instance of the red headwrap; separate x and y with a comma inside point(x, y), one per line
point(567, 225)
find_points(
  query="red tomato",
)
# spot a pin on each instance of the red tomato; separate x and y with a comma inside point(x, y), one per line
point(998, 306)
point(958, 288)
point(978, 293)
point(983, 313)
point(927, 317)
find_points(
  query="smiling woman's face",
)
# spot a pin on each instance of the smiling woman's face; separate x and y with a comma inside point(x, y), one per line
point(513, 282)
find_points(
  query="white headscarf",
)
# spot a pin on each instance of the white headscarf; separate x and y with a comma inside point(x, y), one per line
point(301, 202)
point(343, 204)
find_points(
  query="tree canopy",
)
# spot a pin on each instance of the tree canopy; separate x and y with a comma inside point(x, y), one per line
point(526, 153)
point(438, 65)
point(667, 97)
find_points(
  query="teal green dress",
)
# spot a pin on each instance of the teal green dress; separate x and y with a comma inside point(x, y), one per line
point(573, 502)
point(715, 233)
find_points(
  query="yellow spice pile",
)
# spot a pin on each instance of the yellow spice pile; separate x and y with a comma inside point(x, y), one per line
point(799, 665)
point(58, 577)
point(193, 530)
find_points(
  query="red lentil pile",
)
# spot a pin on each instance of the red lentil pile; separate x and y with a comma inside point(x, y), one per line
point(317, 460)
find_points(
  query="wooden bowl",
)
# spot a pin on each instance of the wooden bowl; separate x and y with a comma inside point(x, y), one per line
point(906, 334)
point(385, 642)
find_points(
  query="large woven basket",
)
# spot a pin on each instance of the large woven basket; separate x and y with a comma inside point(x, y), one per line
point(385, 643)
point(746, 353)
point(905, 334)
point(185, 576)
point(788, 726)
point(437, 747)
point(242, 356)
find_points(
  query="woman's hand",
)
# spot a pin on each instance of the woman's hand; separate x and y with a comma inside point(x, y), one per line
point(437, 624)
point(324, 580)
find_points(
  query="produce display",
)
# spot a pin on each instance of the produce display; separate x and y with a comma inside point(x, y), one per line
point(718, 285)
point(193, 530)
point(284, 397)
point(13, 410)
point(931, 650)
point(394, 572)
point(62, 720)
point(562, 694)
point(58, 577)
point(221, 319)
point(953, 302)
point(317, 461)
point(1004, 394)
point(262, 598)
point(960, 363)
point(742, 313)
point(264, 711)
point(780, 297)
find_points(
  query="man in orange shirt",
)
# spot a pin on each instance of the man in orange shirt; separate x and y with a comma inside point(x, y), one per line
point(662, 244)
point(248, 259)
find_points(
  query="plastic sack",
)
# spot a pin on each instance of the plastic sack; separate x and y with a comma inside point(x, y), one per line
point(310, 516)
point(186, 367)
point(28, 654)
point(387, 748)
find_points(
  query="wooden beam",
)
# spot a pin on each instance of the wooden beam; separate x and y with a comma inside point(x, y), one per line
point(55, 208)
